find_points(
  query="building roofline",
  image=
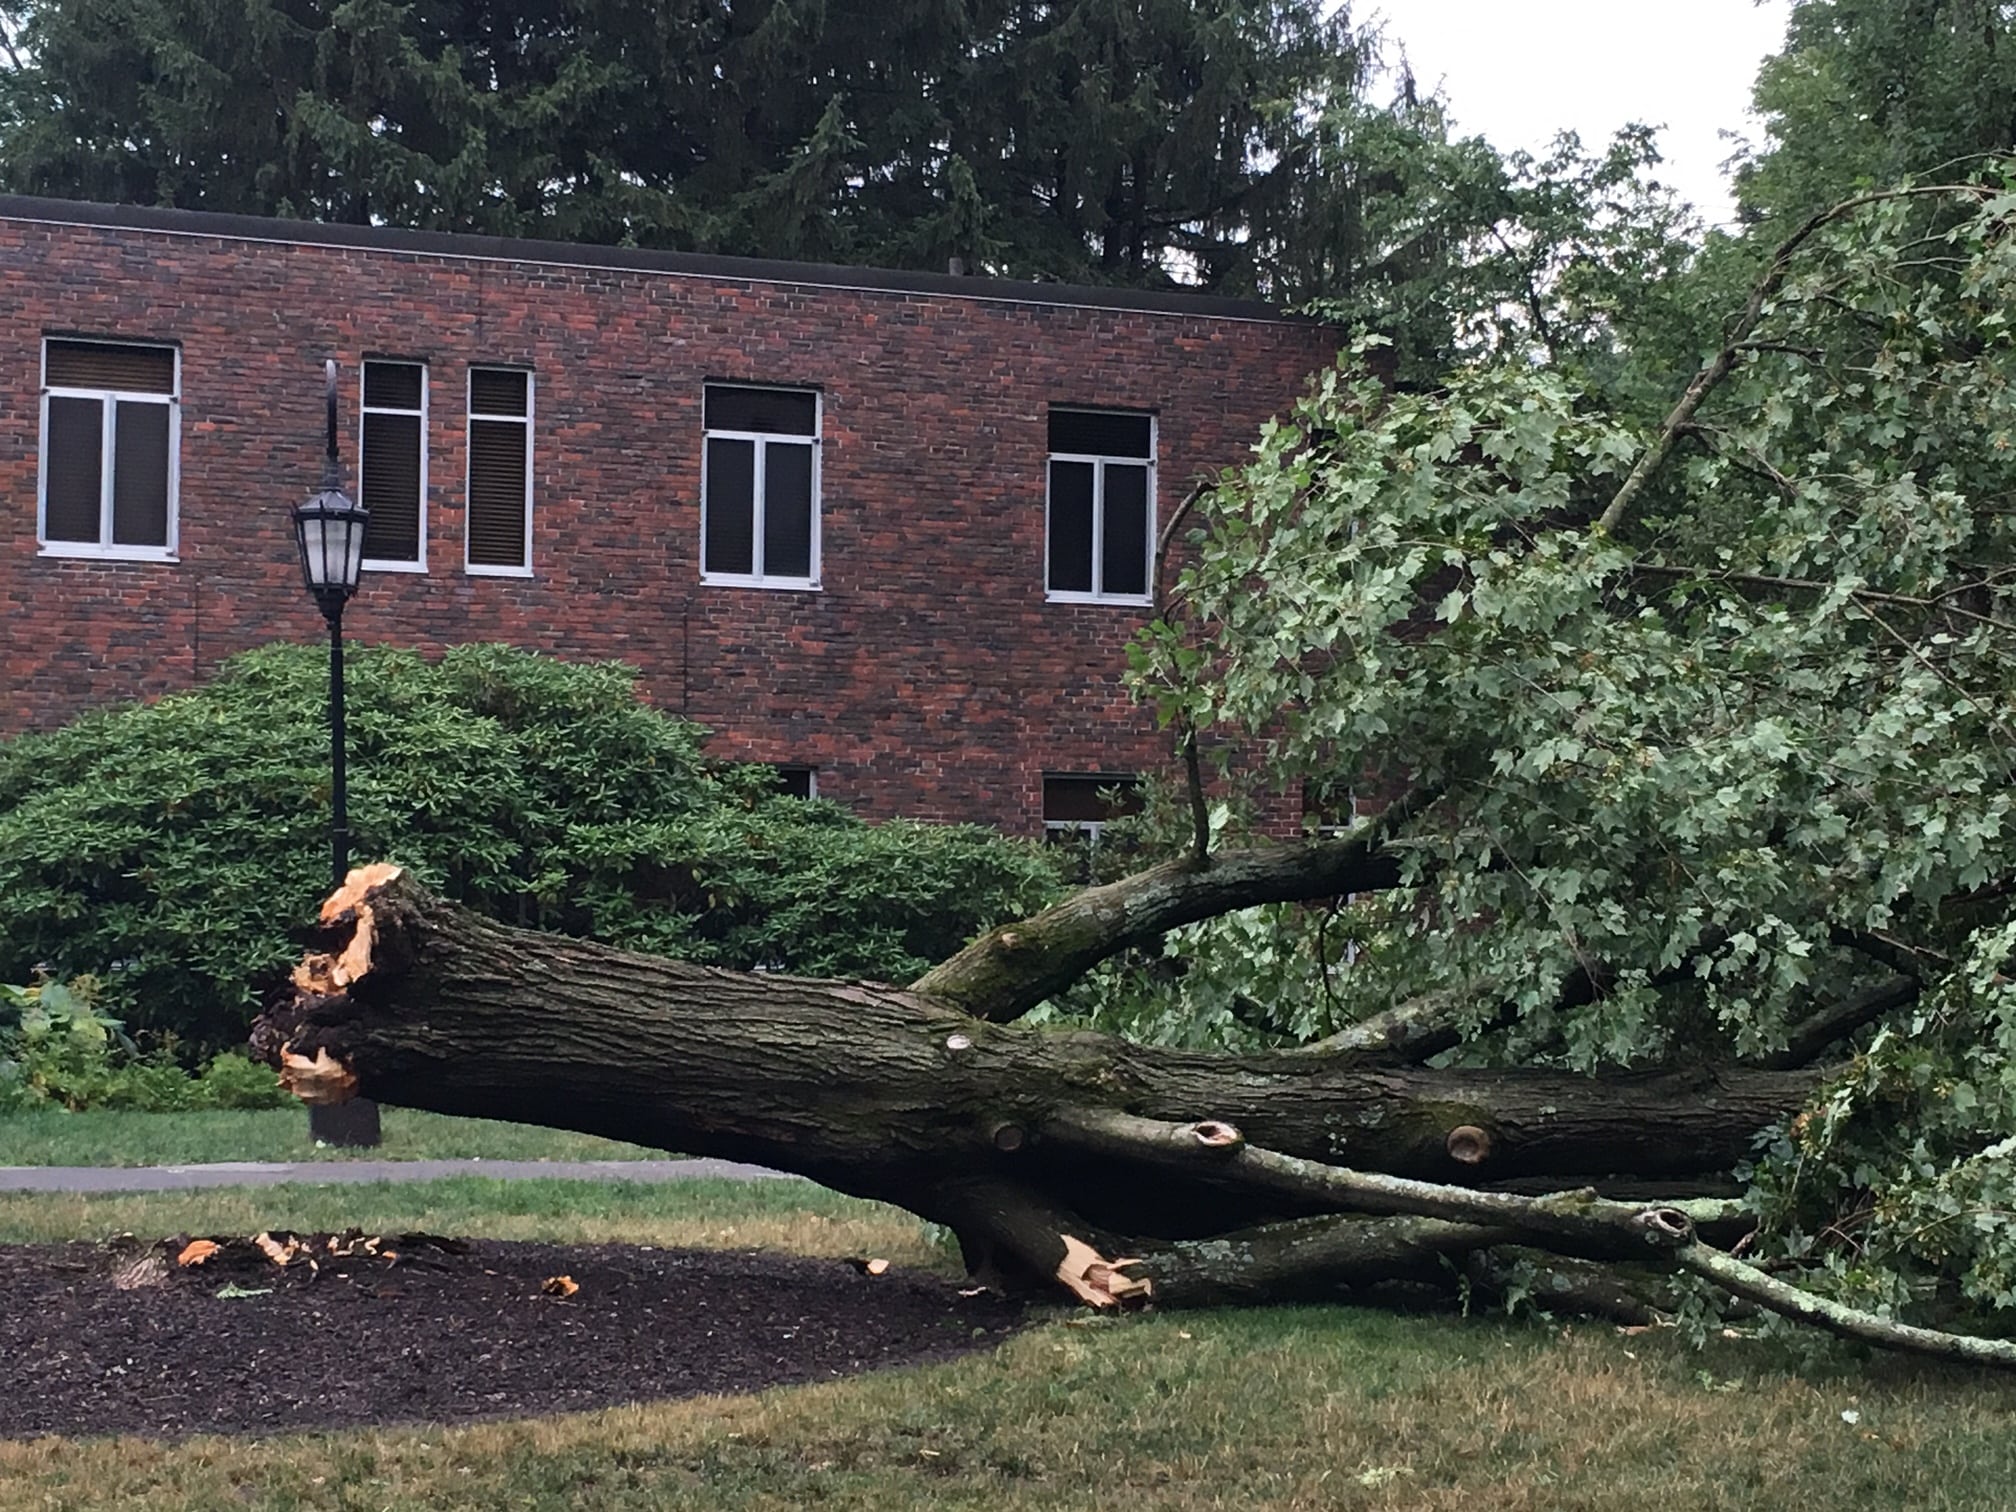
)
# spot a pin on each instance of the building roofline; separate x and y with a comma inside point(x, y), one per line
point(458, 245)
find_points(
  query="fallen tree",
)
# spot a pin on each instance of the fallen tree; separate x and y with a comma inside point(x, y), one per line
point(1698, 852)
point(1113, 1172)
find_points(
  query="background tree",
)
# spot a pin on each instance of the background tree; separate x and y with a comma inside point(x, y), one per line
point(1148, 143)
point(1870, 92)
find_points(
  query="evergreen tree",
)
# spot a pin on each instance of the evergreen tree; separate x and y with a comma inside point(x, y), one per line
point(1240, 145)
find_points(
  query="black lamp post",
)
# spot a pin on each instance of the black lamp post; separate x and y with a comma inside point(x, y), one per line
point(329, 530)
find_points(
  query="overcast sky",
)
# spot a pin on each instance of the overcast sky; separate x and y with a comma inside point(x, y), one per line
point(1517, 71)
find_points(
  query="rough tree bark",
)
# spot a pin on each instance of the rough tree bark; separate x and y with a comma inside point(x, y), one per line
point(1076, 1162)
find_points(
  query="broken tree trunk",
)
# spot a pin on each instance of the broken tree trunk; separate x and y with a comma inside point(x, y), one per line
point(1025, 1141)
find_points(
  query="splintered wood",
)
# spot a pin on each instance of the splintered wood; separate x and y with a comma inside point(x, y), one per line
point(326, 975)
point(321, 1082)
point(1094, 1279)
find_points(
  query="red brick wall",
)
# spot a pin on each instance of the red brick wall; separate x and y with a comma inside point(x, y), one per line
point(927, 677)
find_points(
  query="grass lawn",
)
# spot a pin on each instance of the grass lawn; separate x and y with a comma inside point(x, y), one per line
point(54, 1137)
point(1286, 1408)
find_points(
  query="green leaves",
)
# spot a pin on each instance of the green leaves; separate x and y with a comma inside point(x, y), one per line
point(1748, 756)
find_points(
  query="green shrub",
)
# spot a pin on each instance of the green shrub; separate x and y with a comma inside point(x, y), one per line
point(176, 848)
point(233, 1080)
point(57, 1049)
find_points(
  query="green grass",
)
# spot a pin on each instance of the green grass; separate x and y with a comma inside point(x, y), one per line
point(1289, 1408)
point(54, 1137)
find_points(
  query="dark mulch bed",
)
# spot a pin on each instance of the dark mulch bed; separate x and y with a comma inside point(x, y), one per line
point(102, 1341)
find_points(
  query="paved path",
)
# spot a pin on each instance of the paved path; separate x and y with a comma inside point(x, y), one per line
point(252, 1173)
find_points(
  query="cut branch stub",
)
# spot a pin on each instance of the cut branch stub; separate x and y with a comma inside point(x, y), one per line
point(1468, 1143)
point(1128, 1137)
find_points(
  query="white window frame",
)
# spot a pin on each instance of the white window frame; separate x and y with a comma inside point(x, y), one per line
point(480, 569)
point(108, 440)
point(374, 564)
point(1099, 463)
point(811, 776)
point(764, 441)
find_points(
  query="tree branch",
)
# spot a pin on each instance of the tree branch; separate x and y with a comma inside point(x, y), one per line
point(1752, 1284)
point(1710, 377)
point(1009, 970)
point(1814, 585)
point(1818, 1033)
point(1579, 1224)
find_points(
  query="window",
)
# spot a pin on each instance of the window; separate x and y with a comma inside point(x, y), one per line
point(1076, 811)
point(392, 465)
point(111, 415)
point(1102, 506)
point(759, 489)
point(798, 781)
point(500, 472)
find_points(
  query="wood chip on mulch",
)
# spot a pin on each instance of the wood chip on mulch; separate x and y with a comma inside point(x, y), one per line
point(123, 1339)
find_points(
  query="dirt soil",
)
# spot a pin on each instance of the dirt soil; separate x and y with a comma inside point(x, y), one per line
point(123, 1340)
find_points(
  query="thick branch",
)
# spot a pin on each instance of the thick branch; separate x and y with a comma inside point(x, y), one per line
point(1812, 1038)
point(1578, 1222)
point(1009, 970)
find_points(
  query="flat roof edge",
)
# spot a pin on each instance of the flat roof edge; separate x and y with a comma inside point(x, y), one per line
point(468, 246)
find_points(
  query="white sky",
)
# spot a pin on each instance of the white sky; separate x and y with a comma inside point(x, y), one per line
point(1517, 71)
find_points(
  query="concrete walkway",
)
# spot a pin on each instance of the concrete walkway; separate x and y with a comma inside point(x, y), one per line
point(251, 1173)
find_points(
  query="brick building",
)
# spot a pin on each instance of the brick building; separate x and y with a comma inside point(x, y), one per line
point(890, 529)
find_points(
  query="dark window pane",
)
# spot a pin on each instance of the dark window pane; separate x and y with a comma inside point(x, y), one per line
point(794, 781)
point(497, 453)
point(140, 475)
point(108, 365)
point(731, 508)
point(782, 412)
point(1071, 527)
point(72, 469)
point(1082, 800)
point(1124, 562)
point(499, 391)
point(391, 487)
point(1100, 433)
point(787, 510)
point(395, 385)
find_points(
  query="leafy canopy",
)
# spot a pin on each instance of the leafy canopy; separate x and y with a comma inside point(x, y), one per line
point(170, 847)
point(1734, 744)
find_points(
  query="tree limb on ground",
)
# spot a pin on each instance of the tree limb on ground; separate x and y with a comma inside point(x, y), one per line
point(1114, 1172)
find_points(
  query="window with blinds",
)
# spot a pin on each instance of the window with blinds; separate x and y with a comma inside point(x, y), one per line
point(392, 465)
point(500, 471)
point(1101, 512)
point(759, 489)
point(110, 419)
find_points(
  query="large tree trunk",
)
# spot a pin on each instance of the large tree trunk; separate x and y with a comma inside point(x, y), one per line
point(1067, 1158)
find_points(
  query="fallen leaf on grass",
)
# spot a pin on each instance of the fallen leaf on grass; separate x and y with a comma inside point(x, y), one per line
point(560, 1286)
